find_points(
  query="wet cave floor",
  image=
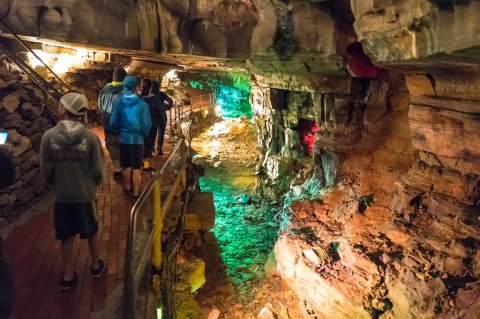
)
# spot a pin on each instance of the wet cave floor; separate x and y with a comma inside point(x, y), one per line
point(238, 251)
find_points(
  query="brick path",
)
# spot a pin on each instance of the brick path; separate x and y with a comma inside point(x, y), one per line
point(35, 258)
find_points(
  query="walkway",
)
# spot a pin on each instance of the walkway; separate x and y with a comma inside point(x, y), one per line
point(35, 257)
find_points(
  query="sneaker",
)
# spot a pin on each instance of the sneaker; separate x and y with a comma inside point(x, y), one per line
point(117, 175)
point(127, 193)
point(97, 272)
point(67, 284)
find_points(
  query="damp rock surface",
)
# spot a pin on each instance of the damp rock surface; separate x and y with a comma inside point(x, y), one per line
point(397, 233)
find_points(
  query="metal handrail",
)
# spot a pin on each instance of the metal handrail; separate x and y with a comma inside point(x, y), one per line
point(15, 35)
point(133, 275)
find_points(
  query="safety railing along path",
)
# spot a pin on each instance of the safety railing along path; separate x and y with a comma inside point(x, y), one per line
point(42, 83)
point(148, 234)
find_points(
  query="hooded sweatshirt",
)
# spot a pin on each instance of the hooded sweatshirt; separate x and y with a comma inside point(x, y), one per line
point(132, 118)
point(71, 158)
point(107, 98)
point(162, 96)
point(157, 112)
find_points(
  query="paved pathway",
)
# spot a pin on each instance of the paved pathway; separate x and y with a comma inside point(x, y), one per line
point(35, 257)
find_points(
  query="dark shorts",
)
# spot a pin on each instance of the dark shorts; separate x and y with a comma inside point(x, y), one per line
point(131, 155)
point(75, 218)
point(112, 143)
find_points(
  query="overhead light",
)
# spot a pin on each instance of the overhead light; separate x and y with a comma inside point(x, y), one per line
point(171, 74)
point(60, 63)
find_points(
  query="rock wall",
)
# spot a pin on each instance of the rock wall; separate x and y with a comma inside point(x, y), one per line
point(396, 232)
point(444, 120)
point(335, 104)
point(107, 23)
point(393, 31)
point(23, 113)
point(301, 37)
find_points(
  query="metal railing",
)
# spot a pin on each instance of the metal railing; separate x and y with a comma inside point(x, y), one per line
point(43, 84)
point(25, 45)
point(152, 248)
point(179, 113)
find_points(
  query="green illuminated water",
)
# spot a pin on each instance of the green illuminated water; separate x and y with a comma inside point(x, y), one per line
point(246, 233)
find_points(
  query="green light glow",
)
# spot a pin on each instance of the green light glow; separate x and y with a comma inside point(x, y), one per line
point(232, 90)
point(246, 233)
point(233, 102)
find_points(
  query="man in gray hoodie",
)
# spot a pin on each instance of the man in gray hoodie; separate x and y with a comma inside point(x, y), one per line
point(71, 158)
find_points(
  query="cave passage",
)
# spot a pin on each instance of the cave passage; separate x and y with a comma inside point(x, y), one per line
point(245, 226)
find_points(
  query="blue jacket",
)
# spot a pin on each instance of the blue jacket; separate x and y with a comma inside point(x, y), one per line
point(131, 118)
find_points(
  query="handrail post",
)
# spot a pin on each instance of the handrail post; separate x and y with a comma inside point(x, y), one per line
point(157, 224)
point(183, 164)
point(130, 292)
point(134, 271)
point(171, 121)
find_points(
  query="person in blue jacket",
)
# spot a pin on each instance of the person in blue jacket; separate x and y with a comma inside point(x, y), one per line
point(131, 118)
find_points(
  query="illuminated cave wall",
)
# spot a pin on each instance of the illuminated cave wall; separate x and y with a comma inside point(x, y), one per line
point(231, 90)
point(233, 102)
point(23, 113)
point(291, 117)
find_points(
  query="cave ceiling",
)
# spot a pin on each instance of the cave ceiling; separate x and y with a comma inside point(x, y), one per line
point(260, 36)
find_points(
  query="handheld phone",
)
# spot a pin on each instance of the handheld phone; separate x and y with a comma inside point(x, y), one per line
point(3, 137)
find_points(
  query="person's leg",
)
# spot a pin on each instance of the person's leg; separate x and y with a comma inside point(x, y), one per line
point(93, 246)
point(149, 142)
point(89, 230)
point(161, 135)
point(137, 180)
point(127, 172)
point(137, 151)
point(66, 227)
point(126, 163)
point(112, 144)
point(67, 249)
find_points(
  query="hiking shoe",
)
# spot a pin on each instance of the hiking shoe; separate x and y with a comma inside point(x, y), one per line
point(67, 284)
point(117, 175)
point(127, 193)
point(97, 272)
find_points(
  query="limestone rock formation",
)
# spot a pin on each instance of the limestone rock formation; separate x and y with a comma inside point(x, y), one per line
point(23, 114)
point(400, 31)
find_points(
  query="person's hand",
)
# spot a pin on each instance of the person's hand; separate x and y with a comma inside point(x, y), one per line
point(7, 147)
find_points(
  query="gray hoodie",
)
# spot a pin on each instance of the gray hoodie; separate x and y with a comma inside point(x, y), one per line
point(71, 158)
